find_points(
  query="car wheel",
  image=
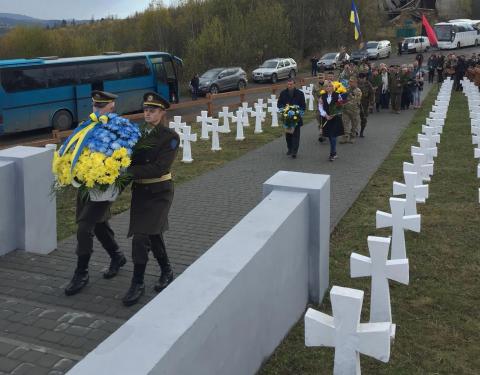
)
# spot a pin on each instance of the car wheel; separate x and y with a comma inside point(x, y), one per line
point(458, 45)
point(214, 89)
point(388, 55)
point(378, 56)
point(292, 74)
point(241, 84)
point(62, 120)
point(274, 78)
point(476, 42)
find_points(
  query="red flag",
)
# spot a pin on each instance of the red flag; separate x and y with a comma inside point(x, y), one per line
point(432, 37)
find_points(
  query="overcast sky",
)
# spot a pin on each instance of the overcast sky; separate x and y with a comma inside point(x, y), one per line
point(79, 9)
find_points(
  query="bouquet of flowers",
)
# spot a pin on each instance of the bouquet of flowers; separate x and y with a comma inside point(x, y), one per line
point(95, 155)
point(291, 115)
point(340, 89)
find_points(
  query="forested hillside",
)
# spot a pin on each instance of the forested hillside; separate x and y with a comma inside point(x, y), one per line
point(207, 33)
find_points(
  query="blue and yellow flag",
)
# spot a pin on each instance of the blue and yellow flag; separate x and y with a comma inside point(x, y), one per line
point(355, 20)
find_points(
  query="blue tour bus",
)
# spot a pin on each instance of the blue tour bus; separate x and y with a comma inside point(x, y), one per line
point(56, 92)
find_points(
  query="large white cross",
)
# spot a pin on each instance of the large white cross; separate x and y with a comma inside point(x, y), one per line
point(433, 139)
point(435, 115)
point(399, 222)
point(435, 122)
point(203, 119)
point(259, 115)
point(425, 148)
point(272, 101)
point(225, 115)
point(345, 333)
point(381, 270)
point(186, 137)
point(239, 122)
point(246, 110)
point(177, 124)
point(420, 166)
point(413, 192)
point(215, 129)
point(309, 99)
point(432, 130)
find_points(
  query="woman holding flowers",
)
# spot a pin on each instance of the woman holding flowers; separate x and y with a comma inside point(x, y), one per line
point(330, 107)
point(152, 195)
point(292, 116)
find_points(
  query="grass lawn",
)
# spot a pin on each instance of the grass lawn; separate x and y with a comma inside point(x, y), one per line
point(437, 315)
point(204, 160)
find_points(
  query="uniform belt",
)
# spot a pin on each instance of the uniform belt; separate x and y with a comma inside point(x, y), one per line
point(165, 177)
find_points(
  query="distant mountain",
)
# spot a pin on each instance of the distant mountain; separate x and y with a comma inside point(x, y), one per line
point(10, 20)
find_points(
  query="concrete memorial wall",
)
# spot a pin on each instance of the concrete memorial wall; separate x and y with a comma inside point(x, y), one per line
point(27, 206)
point(232, 307)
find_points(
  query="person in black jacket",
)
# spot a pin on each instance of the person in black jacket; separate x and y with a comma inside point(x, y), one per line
point(333, 125)
point(291, 95)
point(194, 85)
point(152, 195)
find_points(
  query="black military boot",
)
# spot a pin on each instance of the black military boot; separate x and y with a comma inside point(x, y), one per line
point(361, 131)
point(80, 277)
point(117, 261)
point(166, 276)
point(137, 287)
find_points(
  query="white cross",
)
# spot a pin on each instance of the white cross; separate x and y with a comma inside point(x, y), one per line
point(476, 153)
point(239, 122)
point(413, 192)
point(177, 124)
point(399, 222)
point(475, 130)
point(273, 110)
point(435, 115)
point(433, 139)
point(440, 109)
point(478, 171)
point(420, 166)
point(435, 122)
point(186, 137)
point(259, 115)
point(475, 139)
point(204, 119)
point(475, 122)
point(225, 114)
point(432, 130)
point(215, 129)
point(381, 270)
point(345, 333)
point(246, 110)
point(425, 148)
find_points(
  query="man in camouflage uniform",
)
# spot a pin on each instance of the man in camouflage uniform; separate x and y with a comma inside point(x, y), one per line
point(351, 112)
point(367, 101)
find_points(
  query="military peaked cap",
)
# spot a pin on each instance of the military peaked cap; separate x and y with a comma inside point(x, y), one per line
point(103, 96)
point(154, 100)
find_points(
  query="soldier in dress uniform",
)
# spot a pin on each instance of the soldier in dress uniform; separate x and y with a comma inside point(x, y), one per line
point(351, 112)
point(367, 102)
point(92, 220)
point(152, 195)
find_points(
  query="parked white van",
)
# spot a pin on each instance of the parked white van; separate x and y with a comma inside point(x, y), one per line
point(377, 50)
point(416, 44)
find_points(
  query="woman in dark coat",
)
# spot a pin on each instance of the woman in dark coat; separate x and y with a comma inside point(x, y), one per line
point(333, 125)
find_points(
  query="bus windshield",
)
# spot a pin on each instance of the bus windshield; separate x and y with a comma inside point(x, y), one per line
point(444, 32)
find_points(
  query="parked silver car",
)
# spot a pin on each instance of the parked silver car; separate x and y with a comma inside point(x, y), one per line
point(275, 69)
point(331, 60)
point(222, 79)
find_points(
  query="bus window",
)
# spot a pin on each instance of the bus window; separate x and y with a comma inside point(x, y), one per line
point(23, 79)
point(62, 75)
point(96, 72)
point(443, 32)
point(133, 68)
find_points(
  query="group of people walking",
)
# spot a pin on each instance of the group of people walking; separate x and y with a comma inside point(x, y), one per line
point(152, 196)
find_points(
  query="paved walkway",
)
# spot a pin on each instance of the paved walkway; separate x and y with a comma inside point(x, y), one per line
point(44, 332)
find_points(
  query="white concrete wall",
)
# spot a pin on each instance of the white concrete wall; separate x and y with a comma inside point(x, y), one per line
point(231, 308)
point(35, 207)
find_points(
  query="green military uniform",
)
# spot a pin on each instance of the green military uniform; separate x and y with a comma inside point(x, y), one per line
point(152, 196)
point(368, 100)
point(351, 115)
point(376, 81)
point(395, 85)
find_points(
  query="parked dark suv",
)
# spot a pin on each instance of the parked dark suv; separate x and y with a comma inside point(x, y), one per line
point(222, 79)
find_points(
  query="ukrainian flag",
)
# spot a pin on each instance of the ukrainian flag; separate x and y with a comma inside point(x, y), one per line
point(355, 20)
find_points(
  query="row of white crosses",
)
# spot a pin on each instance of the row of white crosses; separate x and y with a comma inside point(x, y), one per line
point(210, 125)
point(343, 330)
point(473, 96)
